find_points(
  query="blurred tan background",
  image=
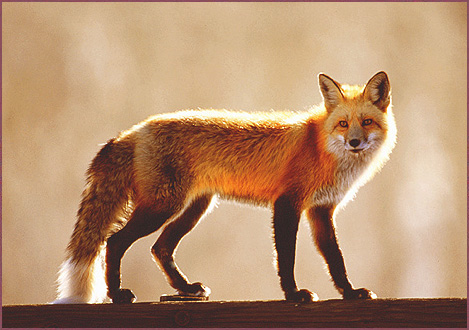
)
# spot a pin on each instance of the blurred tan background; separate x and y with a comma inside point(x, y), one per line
point(75, 74)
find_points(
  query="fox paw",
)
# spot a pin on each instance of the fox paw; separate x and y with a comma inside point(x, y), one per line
point(123, 296)
point(302, 296)
point(359, 294)
point(195, 289)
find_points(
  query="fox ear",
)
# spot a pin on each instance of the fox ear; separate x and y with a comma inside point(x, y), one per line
point(331, 92)
point(378, 90)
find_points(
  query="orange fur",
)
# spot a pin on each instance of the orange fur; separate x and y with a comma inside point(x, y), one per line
point(253, 156)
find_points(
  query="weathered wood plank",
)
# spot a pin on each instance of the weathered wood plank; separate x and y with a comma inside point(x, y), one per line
point(447, 313)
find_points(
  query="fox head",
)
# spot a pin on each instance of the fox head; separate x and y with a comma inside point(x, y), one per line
point(357, 116)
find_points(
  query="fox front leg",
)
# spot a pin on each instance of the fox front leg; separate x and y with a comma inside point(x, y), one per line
point(322, 223)
point(286, 219)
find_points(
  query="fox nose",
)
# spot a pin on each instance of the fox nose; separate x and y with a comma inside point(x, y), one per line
point(354, 143)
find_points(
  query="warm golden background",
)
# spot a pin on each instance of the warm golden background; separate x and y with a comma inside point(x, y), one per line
point(75, 74)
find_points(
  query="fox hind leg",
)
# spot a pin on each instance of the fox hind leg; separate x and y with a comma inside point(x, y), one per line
point(164, 248)
point(143, 221)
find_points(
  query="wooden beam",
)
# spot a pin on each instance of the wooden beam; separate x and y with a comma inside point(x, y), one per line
point(423, 313)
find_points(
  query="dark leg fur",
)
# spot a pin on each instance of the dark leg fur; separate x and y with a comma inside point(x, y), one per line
point(164, 248)
point(286, 219)
point(143, 222)
point(321, 219)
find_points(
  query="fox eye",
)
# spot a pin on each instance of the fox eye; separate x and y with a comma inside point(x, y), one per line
point(343, 123)
point(367, 122)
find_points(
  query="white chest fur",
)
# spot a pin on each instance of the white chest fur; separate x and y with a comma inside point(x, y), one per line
point(350, 175)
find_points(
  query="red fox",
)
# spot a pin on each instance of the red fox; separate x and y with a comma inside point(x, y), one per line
point(167, 169)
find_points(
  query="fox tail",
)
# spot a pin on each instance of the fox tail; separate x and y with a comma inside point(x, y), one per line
point(104, 203)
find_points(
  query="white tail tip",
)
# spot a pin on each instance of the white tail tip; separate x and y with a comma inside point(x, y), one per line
point(81, 282)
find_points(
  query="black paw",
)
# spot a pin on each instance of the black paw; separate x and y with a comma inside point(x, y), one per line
point(123, 296)
point(302, 296)
point(195, 289)
point(359, 294)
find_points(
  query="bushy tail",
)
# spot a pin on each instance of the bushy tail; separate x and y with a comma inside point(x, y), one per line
point(104, 200)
